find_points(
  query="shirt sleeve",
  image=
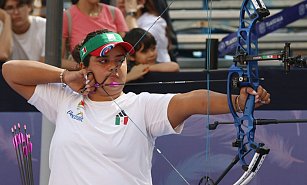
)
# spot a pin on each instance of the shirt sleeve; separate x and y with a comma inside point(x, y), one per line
point(120, 21)
point(47, 98)
point(156, 118)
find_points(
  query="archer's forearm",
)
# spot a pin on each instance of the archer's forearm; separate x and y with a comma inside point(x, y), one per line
point(202, 102)
point(25, 72)
point(182, 106)
point(210, 102)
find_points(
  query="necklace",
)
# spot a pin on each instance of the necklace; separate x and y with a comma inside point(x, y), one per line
point(95, 13)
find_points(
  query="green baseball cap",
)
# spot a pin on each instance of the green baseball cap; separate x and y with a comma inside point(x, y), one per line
point(101, 44)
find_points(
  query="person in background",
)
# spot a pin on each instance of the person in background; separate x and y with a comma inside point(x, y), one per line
point(162, 6)
point(144, 59)
point(28, 32)
point(5, 36)
point(83, 17)
point(144, 14)
point(102, 134)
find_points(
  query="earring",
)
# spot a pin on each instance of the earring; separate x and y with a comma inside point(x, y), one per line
point(79, 66)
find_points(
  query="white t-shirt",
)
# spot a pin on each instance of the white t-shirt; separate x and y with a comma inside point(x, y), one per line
point(31, 45)
point(95, 143)
point(158, 30)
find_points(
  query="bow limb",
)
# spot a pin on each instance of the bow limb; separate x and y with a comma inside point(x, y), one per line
point(238, 77)
point(253, 168)
point(247, 77)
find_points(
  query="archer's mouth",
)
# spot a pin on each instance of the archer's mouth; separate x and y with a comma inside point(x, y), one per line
point(114, 84)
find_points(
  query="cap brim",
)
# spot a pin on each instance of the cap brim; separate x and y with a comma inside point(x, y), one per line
point(127, 46)
point(103, 50)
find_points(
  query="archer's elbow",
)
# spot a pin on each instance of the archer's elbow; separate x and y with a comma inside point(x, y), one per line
point(7, 69)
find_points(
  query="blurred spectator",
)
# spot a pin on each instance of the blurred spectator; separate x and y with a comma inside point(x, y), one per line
point(5, 36)
point(143, 14)
point(161, 6)
point(28, 32)
point(85, 16)
point(145, 56)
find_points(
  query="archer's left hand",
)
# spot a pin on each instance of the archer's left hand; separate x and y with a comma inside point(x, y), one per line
point(261, 96)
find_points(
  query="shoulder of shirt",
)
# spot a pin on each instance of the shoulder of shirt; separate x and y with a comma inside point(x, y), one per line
point(73, 10)
point(148, 15)
point(147, 18)
point(37, 19)
point(109, 7)
point(129, 94)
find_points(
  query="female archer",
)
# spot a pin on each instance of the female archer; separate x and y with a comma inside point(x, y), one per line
point(103, 135)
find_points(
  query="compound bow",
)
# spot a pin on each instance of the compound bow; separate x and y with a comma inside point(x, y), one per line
point(239, 77)
point(246, 75)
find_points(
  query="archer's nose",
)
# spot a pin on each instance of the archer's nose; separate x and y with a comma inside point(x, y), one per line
point(113, 67)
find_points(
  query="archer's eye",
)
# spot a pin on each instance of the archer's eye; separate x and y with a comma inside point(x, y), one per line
point(103, 61)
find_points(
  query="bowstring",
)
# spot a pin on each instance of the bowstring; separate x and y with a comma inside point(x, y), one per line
point(208, 58)
point(122, 110)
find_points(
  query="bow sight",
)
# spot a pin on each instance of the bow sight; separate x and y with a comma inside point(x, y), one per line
point(284, 56)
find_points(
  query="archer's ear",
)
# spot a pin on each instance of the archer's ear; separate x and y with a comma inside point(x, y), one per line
point(81, 65)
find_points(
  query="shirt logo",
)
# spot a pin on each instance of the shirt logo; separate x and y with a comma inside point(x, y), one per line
point(106, 49)
point(121, 118)
point(78, 114)
point(81, 105)
point(110, 37)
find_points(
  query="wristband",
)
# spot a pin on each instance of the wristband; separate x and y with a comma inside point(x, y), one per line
point(133, 14)
point(239, 110)
point(62, 78)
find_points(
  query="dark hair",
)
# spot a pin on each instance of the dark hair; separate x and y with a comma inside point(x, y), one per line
point(28, 2)
point(74, 1)
point(156, 7)
point(140, 39)
point(76, 51)
point(150, 7)
point(162, 5)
